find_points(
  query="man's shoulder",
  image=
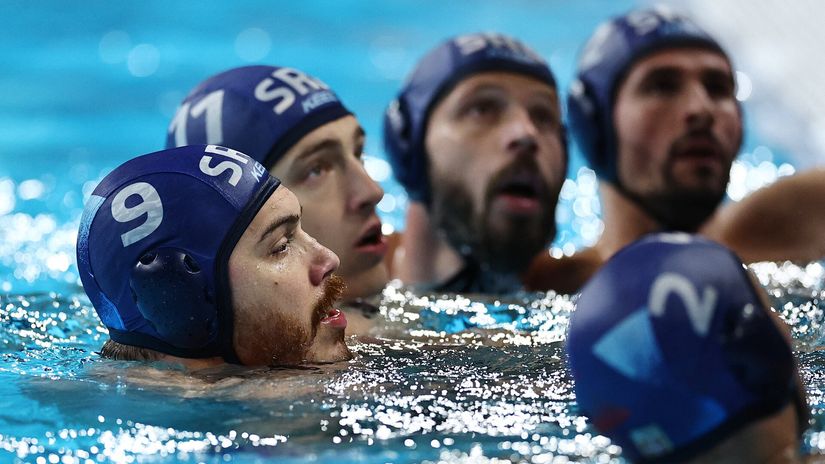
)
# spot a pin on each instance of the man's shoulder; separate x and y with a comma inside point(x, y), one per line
point(782, 221)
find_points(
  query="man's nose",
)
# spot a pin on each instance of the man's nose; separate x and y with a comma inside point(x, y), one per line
point(520, 132)
point(324, 263)
point(364, 193)
point(699, 107)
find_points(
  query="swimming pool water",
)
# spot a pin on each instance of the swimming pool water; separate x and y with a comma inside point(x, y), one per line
point(445, 380)
point(423, 394)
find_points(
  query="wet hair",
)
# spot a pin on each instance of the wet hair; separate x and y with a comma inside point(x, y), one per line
point(120, 352)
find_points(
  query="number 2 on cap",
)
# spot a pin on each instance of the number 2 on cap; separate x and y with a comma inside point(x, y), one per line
point(150, 205)
point(699, 310)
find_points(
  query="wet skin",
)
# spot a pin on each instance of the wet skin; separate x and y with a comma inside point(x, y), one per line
point(496, 164)
point(678, 127)
point(325, 171)
point(283, 291)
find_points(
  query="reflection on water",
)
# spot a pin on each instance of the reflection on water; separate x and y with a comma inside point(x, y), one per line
point(446, 379)
point(477, 390)
point(798, 294)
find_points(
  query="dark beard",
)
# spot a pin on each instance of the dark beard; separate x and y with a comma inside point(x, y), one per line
point(679, 208)
point(499, 246)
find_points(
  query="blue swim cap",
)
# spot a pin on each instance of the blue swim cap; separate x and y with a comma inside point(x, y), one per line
point(672, 349)
point(405, 120)
point(604, 63)
point(154, 245)
point(259, 110)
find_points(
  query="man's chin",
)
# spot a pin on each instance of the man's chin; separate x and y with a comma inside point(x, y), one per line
point(683, 211)
point(512, 242)
point(328, 353)
point(700, 179)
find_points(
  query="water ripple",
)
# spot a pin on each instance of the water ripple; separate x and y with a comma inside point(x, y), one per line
point(444, 378)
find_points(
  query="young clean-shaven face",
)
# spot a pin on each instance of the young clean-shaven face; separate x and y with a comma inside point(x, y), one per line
point(325, 171)
point(295, 125)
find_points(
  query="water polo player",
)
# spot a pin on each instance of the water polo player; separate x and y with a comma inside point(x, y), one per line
point(476, 139)
point(295, 126)
point(677, 357)
point(654, 110)
point(196, 255)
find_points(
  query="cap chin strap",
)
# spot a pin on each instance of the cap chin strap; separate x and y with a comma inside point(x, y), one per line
point(226, 313)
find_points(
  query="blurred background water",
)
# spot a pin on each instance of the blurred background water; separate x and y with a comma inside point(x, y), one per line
point(88, 85)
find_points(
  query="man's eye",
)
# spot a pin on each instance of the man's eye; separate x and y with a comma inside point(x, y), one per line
point(720, 89)
point(483, 107)
point(282, 245)
point(544, 117)
point(316, 170)
point(663, 86)
point(661, 83)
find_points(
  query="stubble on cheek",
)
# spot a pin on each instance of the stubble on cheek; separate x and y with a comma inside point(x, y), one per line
point(270, 340)
point(290, 345)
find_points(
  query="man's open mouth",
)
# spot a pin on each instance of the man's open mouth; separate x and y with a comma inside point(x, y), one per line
point(335, 318)
point(372, 237)
point(372, 240)
point(518, 188)
point(519, 194)
point(698, 147)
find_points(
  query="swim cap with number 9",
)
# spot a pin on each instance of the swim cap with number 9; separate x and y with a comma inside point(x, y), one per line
point(154, 243)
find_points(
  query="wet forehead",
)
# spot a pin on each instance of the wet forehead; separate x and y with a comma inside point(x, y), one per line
point(343, 130)
point(516, 84)
point(684, 60)
point(280, 204)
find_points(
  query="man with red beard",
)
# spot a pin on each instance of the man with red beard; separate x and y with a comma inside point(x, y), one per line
point(298, 128)
point(654, 111)
point(476, 139)
point(195, 256)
